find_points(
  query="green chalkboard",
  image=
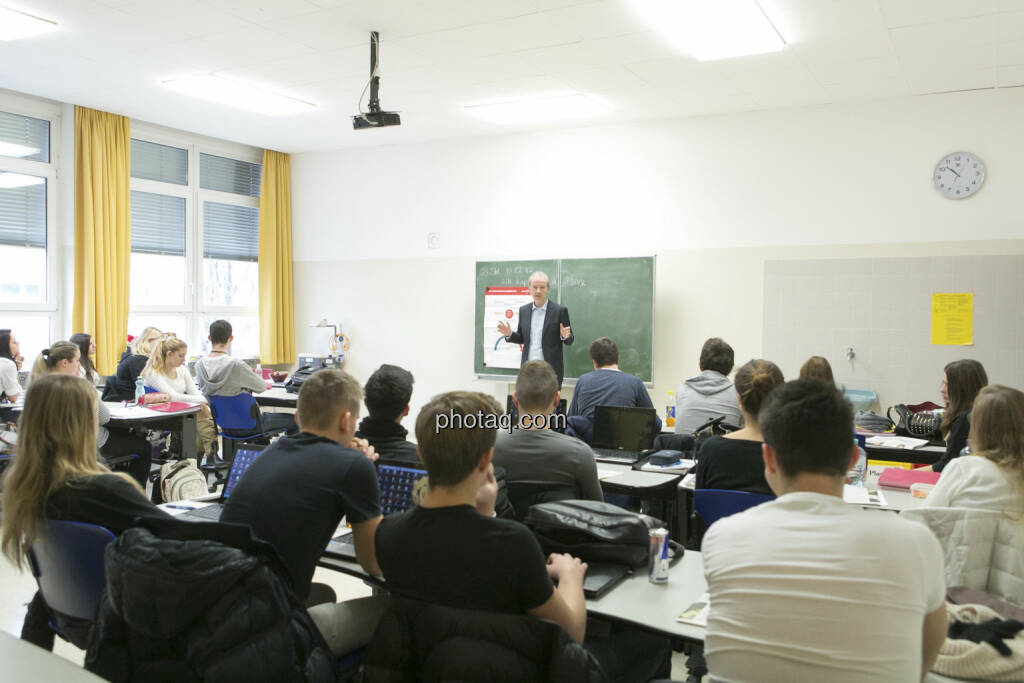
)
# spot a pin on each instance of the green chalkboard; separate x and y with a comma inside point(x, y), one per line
point(611, 297)
point(497, 274)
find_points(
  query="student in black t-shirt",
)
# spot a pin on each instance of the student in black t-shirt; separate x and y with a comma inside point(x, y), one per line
point(294, 495)
point(734, 461)
point(56, 476)
point(451, 550)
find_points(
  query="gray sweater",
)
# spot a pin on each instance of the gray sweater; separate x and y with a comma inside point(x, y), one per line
point(708, 395)
point(224, 375)
point(546, 456)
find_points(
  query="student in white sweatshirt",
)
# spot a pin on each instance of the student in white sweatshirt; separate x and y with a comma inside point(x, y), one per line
point(166, 372)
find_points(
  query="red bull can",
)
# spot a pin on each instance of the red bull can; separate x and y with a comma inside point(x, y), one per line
point(658, 556)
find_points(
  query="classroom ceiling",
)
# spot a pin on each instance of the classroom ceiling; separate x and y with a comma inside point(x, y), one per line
point(439, 55)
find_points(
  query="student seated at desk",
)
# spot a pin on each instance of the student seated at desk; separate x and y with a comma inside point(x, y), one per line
point(295, 494)
point(63, 358)
point(817, 367)
point(132, 363)
point(961, 382)
point(807, 587)
point(56, 476)
point(734, 461)
point(709, 394)
point(387, 395)
point(605, 386)
point(534, 453)
point(992, 476)
point(87, 348)
point(221, 374)
point(450, 550)
point(166, 372)
point(10, 363)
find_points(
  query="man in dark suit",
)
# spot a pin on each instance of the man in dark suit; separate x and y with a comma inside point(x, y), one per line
point(543, 327)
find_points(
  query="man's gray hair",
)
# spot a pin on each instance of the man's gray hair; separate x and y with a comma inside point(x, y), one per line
point(538, 275)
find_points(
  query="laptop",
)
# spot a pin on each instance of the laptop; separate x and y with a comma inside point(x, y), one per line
point(245, 455)
point(622, 434)
point(400, 485)
point(601, 578)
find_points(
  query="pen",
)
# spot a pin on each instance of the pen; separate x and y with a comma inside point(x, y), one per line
point(179, 507)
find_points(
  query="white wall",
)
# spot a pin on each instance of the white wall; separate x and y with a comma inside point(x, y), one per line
point(712, 197)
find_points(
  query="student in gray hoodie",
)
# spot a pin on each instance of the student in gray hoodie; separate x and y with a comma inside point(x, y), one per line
point(220, 374)
point(710, 394)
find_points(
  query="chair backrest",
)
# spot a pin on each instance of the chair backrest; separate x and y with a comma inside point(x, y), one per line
point(239, 414)
point(713, 504)
point(524, 494)
point(67, 561)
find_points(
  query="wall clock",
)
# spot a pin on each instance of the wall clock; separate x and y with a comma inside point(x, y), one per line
point(958, 175)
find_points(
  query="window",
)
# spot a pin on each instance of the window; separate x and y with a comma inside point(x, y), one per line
point(28, 274)
point(195, 227)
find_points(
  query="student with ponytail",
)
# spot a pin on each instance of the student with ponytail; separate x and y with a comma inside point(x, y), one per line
point(734, 461)
point(56, 476)
point(64, 358)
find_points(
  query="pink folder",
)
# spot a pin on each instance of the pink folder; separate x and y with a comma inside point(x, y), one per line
point(899, 478)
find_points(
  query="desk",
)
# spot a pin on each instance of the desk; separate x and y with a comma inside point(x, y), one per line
point(649, 486)
point(181, 421)
point(23, 662)
point(635, 600)
point(276, 397)
point(925, 455)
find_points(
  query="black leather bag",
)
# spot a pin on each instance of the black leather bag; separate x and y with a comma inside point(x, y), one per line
point(595, 531)
point(298, 378)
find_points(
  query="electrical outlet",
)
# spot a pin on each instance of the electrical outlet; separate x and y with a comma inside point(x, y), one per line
point(433, 240)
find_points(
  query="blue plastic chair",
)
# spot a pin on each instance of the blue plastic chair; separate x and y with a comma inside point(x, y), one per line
point(67, 562)
point(239, 419)
point(714, 504)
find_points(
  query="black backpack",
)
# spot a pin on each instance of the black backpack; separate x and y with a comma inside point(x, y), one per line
point(299, 378)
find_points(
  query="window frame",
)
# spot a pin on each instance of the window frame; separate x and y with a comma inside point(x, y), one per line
point(193, 308)
point(50, 307)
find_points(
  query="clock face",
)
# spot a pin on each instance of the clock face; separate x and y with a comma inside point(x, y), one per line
point(958, 175)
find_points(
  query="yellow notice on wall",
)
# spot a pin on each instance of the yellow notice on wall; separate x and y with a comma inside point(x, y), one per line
point(953, 319)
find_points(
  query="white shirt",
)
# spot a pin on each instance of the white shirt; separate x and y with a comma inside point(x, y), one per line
point(9, 383)
point(536, 351)
point(180, 388)
point(809, 588)
point(973, 481)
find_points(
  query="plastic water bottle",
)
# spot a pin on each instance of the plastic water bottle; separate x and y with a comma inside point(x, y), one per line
point(859, 471)
point(670, 410)
point(140, 390)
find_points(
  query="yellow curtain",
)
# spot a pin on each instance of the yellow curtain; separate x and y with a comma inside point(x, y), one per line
point(102, 232)
point(277, 326)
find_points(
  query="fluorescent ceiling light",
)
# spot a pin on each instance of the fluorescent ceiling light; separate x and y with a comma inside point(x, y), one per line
point(11, 180)
point(538, 109)
point(712, 29)
point(15, 25)
point(240, 95)
point(9, 149)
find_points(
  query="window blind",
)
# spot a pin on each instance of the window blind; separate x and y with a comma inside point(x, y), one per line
point(23, 216)
point(158, 223)
point(230, 232)
point(24, 137)
point(159, 162)
point(229, 175)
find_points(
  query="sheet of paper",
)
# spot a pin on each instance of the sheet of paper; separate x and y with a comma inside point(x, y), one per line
point(126, 413)
point(604, 474)
point(501, 304)
point(896, 441)
point(680, 466)
point(697, 613)
point(860, 495)
point(953, 319)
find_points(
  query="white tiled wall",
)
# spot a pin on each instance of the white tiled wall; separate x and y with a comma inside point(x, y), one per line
point(882, 308)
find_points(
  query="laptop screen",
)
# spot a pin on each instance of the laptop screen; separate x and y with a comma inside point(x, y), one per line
point(244, 456)
point(630, 429)
point(399, 487)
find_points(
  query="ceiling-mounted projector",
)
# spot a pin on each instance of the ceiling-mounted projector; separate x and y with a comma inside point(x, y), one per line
point(375, 117)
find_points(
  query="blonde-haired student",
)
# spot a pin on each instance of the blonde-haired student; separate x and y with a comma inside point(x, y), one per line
point(166, 372)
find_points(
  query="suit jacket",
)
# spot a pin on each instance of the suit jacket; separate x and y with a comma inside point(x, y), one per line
point(550, 340)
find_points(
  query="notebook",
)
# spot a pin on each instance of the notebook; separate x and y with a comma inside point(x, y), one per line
point(899, 478)
point(245, 455)
point(622, 434)
point(400, 487)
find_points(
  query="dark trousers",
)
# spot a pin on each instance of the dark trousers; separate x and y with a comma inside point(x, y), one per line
point(631, 656)
point(122, 442)
point(277, 420)
point(36, 628)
